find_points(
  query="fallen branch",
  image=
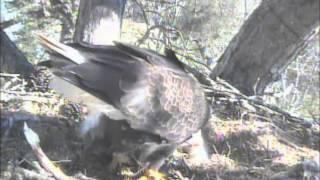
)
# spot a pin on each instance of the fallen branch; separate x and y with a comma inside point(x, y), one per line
point(9, 75)
point(28, 174)
point(307, 169)
point(34, 142)
point(229, 103)
point(7, 96)
point(220, 90)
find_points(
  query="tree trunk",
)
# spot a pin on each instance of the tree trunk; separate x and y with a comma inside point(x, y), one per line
point(62, 10)
point(12, 60)
point(99, 21)
point(267, 42)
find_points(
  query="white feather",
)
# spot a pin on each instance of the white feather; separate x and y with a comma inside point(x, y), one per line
point(91, 121)
point(94, 104)
point(136, 101)
point(67, 51)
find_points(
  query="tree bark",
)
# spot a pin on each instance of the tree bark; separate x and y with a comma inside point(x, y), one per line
point(267, 42)
point(12, 60)
point(99, 21)
point(63, 11)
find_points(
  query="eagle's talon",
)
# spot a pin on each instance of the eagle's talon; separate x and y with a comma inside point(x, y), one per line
point(152, 174)
point(129, 174)
point(143, 174)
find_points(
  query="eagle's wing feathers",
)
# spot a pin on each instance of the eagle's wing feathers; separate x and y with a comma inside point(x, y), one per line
point(170, 60)
point(173, 105)
point(153, 92)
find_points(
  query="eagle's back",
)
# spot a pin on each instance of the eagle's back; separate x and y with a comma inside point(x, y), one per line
point(152, 92)
point(167, 103)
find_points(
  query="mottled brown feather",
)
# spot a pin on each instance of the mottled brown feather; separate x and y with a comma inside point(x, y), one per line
point(152, 91)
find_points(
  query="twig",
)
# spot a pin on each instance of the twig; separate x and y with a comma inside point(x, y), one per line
point(9, 75)
point(145, 17)
point(49, 95)
point(9, 83)
point(28, 174)
point(232, 93)
point(6, 97)
point(34, 141)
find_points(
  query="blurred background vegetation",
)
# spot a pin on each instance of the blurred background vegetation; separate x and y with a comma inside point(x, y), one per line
point(199, 31)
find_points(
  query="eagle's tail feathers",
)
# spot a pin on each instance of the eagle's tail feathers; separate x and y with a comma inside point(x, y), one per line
point(56, 47)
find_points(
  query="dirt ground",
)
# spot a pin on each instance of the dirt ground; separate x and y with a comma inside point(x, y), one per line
point(240, 149)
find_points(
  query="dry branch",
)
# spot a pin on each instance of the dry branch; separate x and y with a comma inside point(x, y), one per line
point(34, 141)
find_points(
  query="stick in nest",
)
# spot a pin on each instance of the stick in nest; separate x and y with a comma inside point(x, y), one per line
point(34, 141)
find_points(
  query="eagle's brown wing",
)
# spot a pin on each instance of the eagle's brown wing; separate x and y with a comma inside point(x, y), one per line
point(153, 92)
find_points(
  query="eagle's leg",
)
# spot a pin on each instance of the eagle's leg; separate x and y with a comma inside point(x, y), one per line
point(151, 156)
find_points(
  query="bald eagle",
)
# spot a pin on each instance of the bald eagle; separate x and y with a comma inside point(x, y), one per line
point(161, 103)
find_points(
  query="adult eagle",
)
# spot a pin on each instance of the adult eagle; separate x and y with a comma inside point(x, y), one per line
point(152, 92)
